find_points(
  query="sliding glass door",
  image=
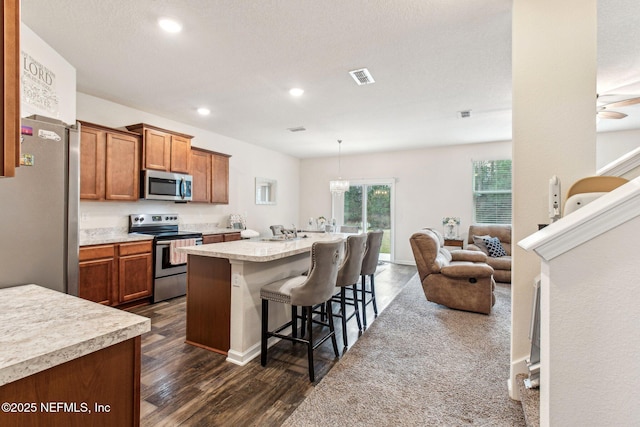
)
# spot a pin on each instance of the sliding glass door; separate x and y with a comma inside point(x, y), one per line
point(368, 205)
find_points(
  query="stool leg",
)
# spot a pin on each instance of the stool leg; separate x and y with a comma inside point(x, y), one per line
point(309, 313)
point(343, 308)
point(355, 306)
point(265, 324)
point(364, 302)
point(332, 329)
point(373, 295)
point(303, 327)
point(294, 321)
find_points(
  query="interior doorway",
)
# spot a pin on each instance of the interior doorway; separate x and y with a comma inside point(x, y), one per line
point(368, 205)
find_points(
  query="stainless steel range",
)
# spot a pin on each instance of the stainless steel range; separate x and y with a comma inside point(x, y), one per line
point(170, 267)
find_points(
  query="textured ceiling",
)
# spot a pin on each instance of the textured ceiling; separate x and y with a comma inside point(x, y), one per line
point(430, 59)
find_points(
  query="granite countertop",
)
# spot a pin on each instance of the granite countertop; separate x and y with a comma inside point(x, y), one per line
point(41, 328)
point(258, 250)
point(104, 236)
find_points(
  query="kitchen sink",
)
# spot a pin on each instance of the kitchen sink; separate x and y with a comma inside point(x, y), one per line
point(279, 239)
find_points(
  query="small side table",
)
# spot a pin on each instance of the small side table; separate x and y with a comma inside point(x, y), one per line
point(454, 242)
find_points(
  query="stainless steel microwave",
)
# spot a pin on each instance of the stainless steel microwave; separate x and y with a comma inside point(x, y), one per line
point(158, 185)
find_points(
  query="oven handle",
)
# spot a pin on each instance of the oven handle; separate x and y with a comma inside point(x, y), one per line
point(168, 242)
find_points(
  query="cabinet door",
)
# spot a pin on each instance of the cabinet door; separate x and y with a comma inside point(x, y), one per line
point(180, 154)
point(96, 274)
point(10, 107)
point(157, 150)
point(220, 179)
point(92, 163)
point(230, 237)
point(122, 167)
point(135, 277)
point(212, 238)
point(201, 172)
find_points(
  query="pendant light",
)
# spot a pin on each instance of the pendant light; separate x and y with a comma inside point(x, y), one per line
point(340, 185)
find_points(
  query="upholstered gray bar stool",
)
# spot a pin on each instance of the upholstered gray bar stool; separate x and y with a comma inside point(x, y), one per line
point(348, 276)
point(316, 288)
point(369, 266)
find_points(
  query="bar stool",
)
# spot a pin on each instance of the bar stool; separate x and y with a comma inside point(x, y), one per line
point(304, 291)
point(348, 275)
point(369, 266)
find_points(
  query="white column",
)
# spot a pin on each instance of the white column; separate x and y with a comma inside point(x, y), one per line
point(554, 133)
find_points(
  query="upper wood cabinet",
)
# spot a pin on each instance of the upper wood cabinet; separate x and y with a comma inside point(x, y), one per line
point(163, 149)
point(210, 171)
point(109, 163)
point(10, 107)
point(201, 172)
point(220, 178)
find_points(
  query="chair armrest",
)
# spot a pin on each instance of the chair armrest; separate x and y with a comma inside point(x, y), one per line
point(467, 255)
point(473, 247)
point(467, 270)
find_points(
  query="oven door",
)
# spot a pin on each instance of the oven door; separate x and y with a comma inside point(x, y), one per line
point(163, 265)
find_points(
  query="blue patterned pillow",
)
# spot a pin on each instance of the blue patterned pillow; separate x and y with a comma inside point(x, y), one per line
point(494, 247)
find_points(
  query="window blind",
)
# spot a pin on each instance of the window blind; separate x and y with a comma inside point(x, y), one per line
point(492, 191)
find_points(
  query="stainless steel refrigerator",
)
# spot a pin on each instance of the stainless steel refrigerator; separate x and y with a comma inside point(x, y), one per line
point(39, 209)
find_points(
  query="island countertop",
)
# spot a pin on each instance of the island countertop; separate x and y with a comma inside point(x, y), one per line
point(258, 250)
point(41, 328)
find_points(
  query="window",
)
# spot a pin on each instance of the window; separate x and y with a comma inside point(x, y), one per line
point(492, 191)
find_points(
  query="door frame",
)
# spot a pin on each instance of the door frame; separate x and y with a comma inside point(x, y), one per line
point(337, 205)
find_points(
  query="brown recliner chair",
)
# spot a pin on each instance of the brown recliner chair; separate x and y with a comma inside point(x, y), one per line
point(459, 279)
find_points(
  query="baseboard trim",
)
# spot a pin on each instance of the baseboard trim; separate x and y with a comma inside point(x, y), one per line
point(242, 358)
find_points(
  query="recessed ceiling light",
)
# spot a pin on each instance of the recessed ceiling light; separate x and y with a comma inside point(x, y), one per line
point(296, 91)
point(203, 111)
point(170, 25)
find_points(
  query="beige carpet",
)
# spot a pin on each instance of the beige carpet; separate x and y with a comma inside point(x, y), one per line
point(421, 364)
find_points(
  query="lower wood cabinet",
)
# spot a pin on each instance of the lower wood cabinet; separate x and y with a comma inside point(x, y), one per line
point(107, 381)
point(221, 237)
point(116, 274)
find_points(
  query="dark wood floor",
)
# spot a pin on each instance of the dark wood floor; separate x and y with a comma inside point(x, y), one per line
point(185, 385)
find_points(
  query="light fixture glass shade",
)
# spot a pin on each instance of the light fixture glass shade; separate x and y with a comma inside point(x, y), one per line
point(339, 186)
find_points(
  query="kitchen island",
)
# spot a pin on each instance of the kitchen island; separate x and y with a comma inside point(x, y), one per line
point(67, 361)
point(223, 290)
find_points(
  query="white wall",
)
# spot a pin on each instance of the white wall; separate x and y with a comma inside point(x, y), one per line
point(247, 162)
point(612, 145)
point(430, 184)
point(593, 340)
point(48, 81)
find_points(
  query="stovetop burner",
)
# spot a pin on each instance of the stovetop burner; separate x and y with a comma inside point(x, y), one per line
point(162, 226)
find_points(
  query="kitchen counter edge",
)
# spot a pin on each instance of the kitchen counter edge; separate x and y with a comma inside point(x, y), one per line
point(41, 328)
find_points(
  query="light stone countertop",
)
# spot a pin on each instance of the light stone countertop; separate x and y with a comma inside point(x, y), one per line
point(41, 328)
point(258, 250)
point(104, 236)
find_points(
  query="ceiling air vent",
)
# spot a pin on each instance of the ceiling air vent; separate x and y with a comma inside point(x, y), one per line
point(464, 114)
point(362, 76)
point(297, 129)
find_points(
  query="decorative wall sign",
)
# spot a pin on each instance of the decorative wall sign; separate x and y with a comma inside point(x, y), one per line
point(39, 86)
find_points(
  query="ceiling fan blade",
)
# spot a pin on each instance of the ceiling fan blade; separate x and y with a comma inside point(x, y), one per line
point(604, 114)
point(624, 103)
